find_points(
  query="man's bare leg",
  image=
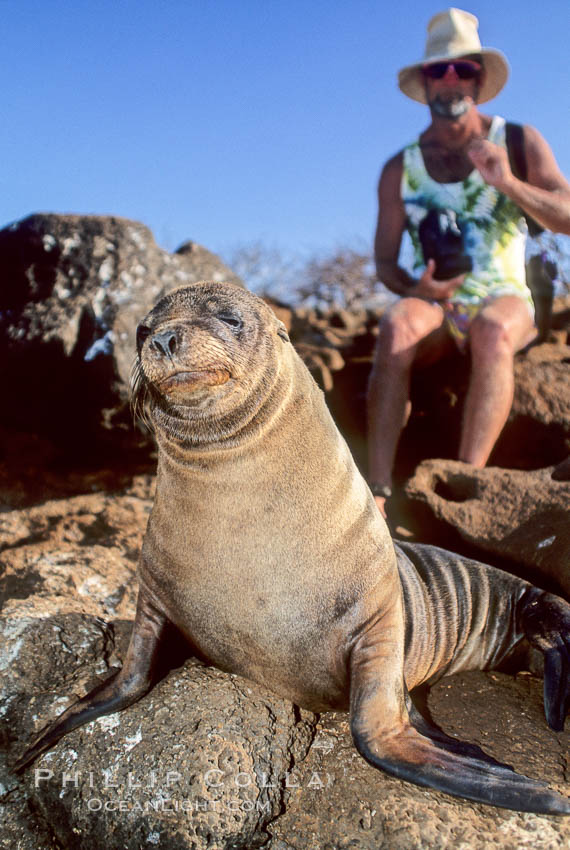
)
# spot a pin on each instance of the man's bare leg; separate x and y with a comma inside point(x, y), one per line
point(412, 329)
point(503, 327)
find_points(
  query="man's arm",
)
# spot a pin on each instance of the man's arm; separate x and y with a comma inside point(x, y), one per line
point(546, 195)
point(389, 230)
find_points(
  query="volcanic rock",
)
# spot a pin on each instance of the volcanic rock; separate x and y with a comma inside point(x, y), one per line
point(201, 762)
point(537, 433)
point(342, 802)
point(74, 555)
point(73, 290)
point(518, 515)
point(69, 590)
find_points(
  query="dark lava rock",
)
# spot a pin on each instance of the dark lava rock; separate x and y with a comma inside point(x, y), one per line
point(73, 291)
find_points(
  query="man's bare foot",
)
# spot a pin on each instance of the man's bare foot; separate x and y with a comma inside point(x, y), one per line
point(381, 503)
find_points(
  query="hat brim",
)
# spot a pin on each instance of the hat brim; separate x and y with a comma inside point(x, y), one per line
point(411, 81)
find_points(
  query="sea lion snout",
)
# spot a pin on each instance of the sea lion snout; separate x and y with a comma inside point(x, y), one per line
point(180, 358)
point(165, 342)
point(188, 381)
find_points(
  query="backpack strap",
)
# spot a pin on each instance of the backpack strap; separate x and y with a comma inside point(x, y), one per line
point(514, 138)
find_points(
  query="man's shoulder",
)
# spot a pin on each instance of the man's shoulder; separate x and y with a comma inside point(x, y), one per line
point(391, 178)
point(524, 140)
point(531, 135)
point(393, 166)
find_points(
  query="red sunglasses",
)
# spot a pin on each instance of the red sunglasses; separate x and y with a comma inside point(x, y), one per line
point(465, 70)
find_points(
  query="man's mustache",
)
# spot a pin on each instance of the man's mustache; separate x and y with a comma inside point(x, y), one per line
point(452, 106)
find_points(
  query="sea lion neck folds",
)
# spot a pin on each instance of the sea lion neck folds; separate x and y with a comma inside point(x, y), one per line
point(265, 548)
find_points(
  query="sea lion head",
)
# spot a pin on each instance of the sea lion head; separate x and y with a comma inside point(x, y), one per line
point(208, 356)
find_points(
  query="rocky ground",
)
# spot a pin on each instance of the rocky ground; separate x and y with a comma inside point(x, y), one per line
point(209, 760)
point(279, 777)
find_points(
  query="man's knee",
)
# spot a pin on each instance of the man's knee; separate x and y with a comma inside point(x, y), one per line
point(489, 338)
point(504, 326)
point(402, 328)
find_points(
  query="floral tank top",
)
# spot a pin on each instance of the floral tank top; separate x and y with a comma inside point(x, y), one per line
point(494, 228)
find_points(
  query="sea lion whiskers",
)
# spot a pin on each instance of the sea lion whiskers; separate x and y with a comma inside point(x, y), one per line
point(139, 395)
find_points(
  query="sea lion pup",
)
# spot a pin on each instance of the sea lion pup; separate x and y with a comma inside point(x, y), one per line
point(266, 550)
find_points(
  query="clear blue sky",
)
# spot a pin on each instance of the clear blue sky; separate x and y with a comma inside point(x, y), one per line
point(229, 121)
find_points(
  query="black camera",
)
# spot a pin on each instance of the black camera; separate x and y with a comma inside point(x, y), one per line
point(442, 240)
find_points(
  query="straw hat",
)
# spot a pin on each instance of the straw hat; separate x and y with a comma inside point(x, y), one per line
point(451, 35)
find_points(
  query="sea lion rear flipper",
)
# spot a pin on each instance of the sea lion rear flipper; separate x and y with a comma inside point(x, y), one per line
point(438, 736)
point(545, 621)
point(133, 681)
point(386, 735)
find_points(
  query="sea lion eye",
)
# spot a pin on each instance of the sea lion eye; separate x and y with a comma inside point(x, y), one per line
point(142, 333)
point(231, 319)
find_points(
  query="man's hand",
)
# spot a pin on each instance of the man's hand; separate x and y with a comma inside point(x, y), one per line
point(492, 163)
point(434, 289)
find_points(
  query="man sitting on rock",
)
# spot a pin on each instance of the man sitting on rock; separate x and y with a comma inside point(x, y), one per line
point(480, 303)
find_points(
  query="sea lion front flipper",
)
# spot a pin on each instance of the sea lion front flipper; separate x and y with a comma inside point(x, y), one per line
point(122, 689)
point(384, 733)
point(545, 620)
